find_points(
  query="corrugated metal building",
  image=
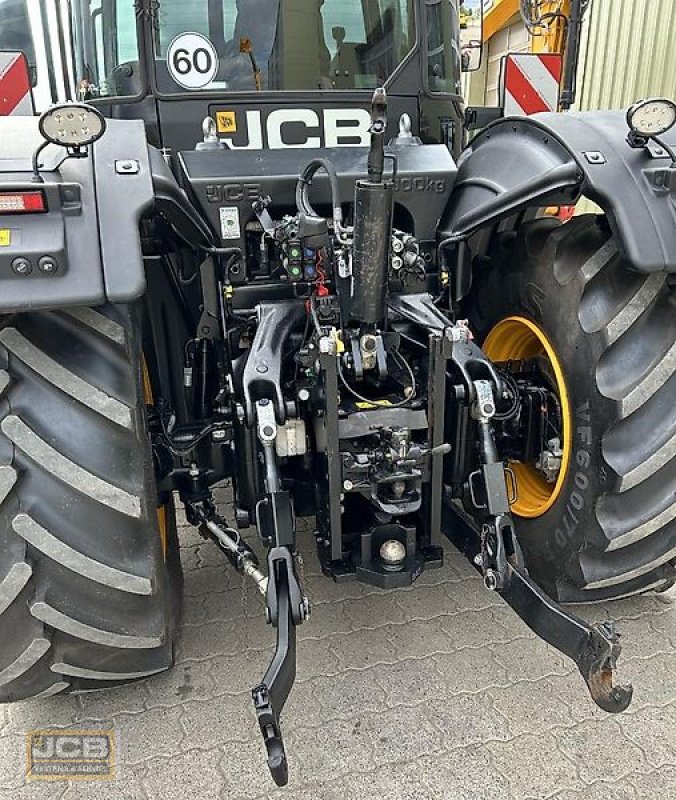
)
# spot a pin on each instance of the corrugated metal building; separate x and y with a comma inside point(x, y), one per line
point(628, 53)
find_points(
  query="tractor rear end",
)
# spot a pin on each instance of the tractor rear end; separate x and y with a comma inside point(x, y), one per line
point(384, 337)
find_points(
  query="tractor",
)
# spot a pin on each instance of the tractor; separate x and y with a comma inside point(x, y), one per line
point(253, 240)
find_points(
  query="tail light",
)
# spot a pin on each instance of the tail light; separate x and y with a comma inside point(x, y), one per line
point(22, 203)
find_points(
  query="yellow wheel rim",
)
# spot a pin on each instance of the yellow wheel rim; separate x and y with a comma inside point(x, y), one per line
point(519, 339)
point(150, 401)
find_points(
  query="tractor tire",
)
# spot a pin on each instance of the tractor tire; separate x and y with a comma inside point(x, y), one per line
point(611, 529)
point(90, 580)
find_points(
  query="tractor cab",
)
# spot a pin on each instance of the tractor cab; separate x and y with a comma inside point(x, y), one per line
point(273, 74)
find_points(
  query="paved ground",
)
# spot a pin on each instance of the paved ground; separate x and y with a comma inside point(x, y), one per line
point(437, 691)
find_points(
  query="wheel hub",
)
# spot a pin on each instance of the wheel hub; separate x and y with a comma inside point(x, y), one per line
point(539, 483)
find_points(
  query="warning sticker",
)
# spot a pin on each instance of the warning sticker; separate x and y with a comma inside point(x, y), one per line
point(5, 237)
point(379, 404)
point(226, 122)
point(230, 228)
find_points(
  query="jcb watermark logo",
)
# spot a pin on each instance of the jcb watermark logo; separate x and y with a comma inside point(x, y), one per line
point(53, 755)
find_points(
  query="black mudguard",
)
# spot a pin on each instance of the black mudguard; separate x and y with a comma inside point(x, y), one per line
point(91, 228)
point(554, 159)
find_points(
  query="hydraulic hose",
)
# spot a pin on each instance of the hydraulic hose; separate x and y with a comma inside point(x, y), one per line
point(305, 179)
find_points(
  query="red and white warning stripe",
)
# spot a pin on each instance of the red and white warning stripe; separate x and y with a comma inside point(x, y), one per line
point(531, 83)
point(15, 85)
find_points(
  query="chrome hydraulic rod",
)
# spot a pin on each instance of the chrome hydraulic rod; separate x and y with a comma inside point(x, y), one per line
point(246, 564)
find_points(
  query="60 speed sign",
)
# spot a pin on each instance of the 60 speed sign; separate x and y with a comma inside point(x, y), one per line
point(192, 60)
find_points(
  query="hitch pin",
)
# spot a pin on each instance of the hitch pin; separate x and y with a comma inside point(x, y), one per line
point(247, 565)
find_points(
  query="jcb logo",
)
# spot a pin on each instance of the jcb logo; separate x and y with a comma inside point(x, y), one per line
point(64, 755)
point(295, 127)
point(226, 122)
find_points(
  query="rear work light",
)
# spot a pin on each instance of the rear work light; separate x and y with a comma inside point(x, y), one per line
point(22, 203)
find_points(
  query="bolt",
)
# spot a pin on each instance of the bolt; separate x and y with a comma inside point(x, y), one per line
point(262, 369)
point(348, 485)
point(22, 266)
point(477, 559)
point(218, 435)
point(399, 487)
point(47, 264)
point(268, 430)
point(491, 580)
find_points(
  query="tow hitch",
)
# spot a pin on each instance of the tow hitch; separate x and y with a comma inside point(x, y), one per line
point(594, 648)
point(494, 549)
point(286, 606)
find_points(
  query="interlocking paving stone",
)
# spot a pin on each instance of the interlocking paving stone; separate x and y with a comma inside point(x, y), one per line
point(534, 706)
point(534, 765)
point(199, 768)
point(401, 733)
point(469, 719)
point(128, 784)
point(437, 691)
point(593, 747)
point(658, 784)
point(603, 790)
point(341, 696)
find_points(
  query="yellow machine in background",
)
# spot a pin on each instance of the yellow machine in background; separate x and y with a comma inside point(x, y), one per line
point(547, 36)
point(465, 17)
point(554, 27)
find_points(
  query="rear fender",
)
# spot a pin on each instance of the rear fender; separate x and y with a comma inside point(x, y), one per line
point(91, 228)
point(554, 159)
